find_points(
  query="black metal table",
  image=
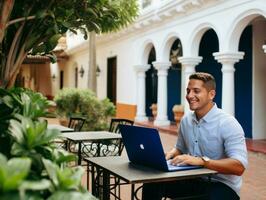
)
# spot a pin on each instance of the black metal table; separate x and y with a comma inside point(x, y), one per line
point(61, 128)
point(127, 173)
point(97, 139)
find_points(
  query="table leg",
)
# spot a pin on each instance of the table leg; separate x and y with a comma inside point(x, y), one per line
point(93, 181)
point(106, 185)
point(132, 191)
point(88, 176)
point(79, 153)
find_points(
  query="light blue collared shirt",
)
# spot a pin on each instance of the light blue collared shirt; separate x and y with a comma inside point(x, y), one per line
point(217, 135)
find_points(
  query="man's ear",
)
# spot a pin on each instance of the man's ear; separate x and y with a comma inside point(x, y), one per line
point(212, 94)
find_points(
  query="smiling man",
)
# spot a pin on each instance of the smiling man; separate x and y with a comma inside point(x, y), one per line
point(208, 137)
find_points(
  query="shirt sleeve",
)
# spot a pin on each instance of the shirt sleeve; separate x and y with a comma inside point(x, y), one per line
point(180, 144)
point(234, 141)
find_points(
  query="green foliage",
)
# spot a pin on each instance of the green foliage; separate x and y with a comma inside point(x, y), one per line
point(26, 102)
point(63, 195)
point(13, 172)
point(18, 101)
point(35, 26)
point(30, 165)
point(32, 139)
point(63, 178)
point(83, 102)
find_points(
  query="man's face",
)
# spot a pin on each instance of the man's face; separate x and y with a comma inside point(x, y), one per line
point(198, 96)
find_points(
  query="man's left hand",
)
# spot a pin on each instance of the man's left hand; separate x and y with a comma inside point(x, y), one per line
point(186, 159)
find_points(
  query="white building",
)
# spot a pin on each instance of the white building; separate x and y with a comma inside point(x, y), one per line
point(223, 37)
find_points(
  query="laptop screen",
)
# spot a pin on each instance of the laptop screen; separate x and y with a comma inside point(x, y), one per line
point(143, 146)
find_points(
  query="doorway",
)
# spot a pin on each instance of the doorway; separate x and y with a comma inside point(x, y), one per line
point(111, 79)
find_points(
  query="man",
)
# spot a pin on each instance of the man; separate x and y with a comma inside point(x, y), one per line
point(210, 138)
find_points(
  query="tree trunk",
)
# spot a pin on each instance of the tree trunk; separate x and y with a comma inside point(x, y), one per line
point(5, 10)
point(92, 81)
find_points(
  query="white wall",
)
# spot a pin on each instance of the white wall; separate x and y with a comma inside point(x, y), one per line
point(126, 82)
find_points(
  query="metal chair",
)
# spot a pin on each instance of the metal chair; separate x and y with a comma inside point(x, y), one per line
point(114, 127)
point(76, 123)
point(110, 148)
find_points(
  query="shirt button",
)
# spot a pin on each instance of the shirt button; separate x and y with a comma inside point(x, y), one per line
point(196, 141)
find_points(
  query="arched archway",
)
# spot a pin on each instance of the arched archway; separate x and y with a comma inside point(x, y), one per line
point(243, 83)
point(174, 77)
point(248, 35)
point(151, 82)
point(208, 45)
point(250, 73)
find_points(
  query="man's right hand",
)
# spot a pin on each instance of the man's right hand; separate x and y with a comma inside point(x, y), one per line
point(172, 153)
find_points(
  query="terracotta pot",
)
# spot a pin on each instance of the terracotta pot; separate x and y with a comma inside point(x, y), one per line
point(178, 111)
point(153, 108)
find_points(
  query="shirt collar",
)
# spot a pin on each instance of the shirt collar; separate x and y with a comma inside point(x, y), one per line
point(206, 117)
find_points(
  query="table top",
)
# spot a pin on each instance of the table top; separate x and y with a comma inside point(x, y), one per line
point(91, 136)
point(131, 173)
point(61, 128)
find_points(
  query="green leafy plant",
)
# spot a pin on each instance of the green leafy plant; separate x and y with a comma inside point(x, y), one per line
point(18, 101)
point(83, 102)
point(13, 172)
point(31, 167)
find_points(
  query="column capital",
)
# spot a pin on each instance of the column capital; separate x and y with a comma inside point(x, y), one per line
point(193, 61)
point(228, 57)
point(161, 65)
point(142, 68)
point(264, 47)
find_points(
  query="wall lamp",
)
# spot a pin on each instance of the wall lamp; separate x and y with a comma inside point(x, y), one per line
point(98, 71)
point(81, 71)
point(53, 77)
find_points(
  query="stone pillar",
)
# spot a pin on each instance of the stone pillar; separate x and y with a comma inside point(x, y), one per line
point(228, 59)
point(140, 71)
point(188, 68)
point(162, 118)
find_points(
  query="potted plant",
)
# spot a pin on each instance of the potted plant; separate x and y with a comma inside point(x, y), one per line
point(178, 111)
point(153, 108)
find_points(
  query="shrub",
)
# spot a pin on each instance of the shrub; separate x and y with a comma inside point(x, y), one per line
point(83, 102)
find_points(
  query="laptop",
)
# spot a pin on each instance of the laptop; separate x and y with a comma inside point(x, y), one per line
point(144, 147)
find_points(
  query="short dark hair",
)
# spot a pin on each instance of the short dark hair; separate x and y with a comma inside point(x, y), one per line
point(208, 79)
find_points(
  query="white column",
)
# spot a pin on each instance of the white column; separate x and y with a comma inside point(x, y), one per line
point(162, 118)
point(188, 68)
point(264, 47)
point(228, 59)
point(140, 71)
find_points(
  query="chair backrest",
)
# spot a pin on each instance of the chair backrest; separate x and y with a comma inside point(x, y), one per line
point(116, 121)
point(76, 123)
point(115, 129)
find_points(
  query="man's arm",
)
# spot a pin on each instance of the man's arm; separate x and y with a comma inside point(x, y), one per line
point(223, 166)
